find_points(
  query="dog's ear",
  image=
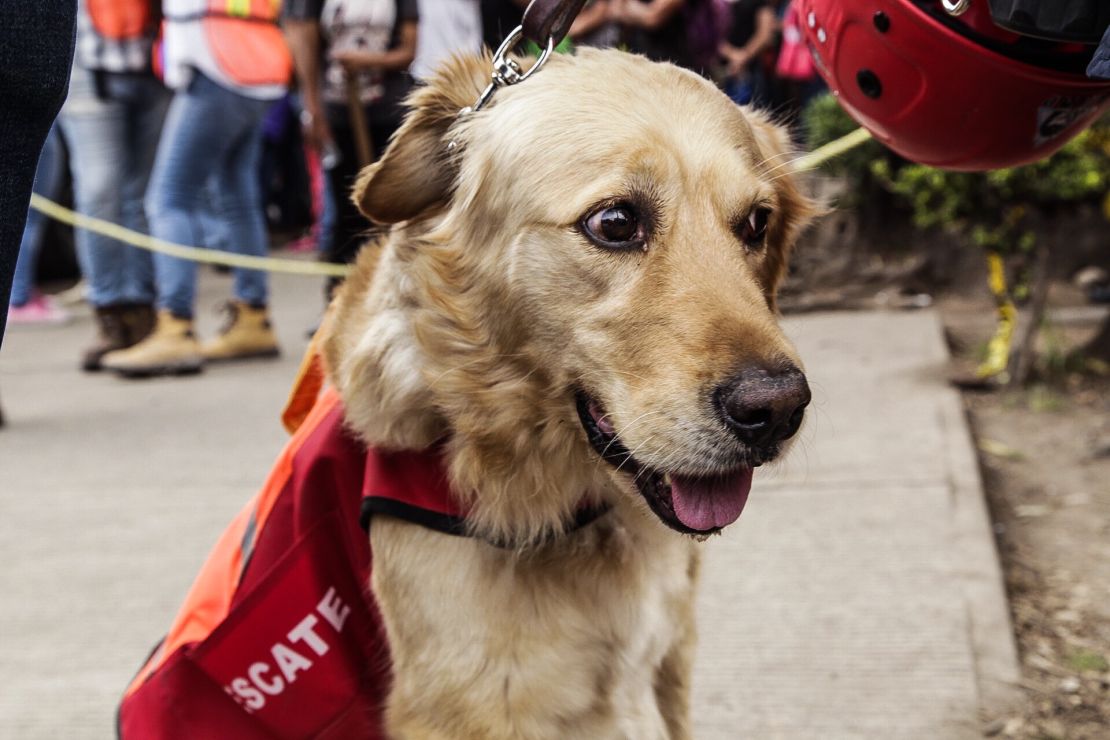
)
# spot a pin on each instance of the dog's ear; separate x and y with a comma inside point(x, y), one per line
point(796, 209)
point(417, 172)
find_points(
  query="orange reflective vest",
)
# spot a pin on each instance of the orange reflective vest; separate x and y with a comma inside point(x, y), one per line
point(245, 40)
point(120, 20)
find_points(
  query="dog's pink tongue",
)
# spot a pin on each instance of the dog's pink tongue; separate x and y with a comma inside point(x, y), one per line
point(703, 504)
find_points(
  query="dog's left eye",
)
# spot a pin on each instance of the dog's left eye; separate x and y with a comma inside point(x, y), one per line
point(615, 227)
point(753, 229)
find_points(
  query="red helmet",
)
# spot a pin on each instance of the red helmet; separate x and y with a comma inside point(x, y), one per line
point(942, 84)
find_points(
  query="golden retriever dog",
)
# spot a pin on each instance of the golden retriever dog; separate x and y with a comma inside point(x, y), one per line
point(576, 299)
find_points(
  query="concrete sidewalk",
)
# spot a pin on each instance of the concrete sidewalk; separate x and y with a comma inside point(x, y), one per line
point(858, 596)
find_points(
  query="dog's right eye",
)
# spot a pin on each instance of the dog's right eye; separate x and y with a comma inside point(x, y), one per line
point(615, 227)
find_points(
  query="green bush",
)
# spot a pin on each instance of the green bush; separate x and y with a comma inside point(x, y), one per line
point(992, 209)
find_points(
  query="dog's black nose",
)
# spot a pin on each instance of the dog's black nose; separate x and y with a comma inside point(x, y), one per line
point(764, 406)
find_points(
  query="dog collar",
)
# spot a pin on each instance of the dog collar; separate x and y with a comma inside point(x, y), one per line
point(413, 487)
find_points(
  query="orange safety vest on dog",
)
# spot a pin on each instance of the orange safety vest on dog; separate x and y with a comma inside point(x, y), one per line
point(279, 636)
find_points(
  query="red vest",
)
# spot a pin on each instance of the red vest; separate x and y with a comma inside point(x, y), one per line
point(279, 636)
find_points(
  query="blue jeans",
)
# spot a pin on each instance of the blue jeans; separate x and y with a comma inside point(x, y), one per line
point(111, 126)
point(206, 178)
point(48, 179)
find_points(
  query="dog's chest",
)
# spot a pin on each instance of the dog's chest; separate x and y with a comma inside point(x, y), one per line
point(564, 644)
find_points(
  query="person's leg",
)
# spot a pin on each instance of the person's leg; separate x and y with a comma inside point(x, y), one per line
point(197, 137)
point(97, 131)
point(248, 333)
point(216, 231)
point(48, 178)
point(146, 102)
point(761, 95)
point(350, 224)
point(182, 165)
point(241, 209)
point(36, 51)
point(203, 124)
point(326, 225)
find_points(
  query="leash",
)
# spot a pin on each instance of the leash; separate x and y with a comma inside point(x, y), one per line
point(546, 20)
point(833, 149)
point(545, 23)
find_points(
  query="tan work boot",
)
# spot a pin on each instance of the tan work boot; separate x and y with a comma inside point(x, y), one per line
point(171, 349)
point(246, 334)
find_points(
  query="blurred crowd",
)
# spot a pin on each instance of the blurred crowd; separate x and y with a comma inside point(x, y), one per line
point(226, 123)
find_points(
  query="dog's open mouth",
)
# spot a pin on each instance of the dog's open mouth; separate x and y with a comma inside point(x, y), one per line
point(689, 504)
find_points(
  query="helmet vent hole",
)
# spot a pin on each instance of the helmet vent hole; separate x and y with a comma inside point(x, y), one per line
point(869, 83)
point(882, 21)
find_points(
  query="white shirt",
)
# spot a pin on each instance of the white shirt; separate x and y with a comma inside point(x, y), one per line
point(447, 27)
point(356, 25)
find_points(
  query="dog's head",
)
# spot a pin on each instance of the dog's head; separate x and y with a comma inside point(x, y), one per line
point(589, 272)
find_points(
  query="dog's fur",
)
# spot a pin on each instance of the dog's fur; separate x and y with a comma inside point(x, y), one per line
point(475, 321)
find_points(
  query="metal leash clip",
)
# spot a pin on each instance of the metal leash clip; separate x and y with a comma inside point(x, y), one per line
point(506, 71)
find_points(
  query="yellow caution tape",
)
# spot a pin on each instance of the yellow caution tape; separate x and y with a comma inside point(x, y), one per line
point(835, 148)
point(194, 254)
point(301, 267)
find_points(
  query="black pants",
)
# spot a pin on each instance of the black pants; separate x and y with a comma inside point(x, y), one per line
point(36, 51)
point(351, 227)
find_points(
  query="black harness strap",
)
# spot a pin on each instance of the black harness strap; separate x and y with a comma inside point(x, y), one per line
point(456, 526)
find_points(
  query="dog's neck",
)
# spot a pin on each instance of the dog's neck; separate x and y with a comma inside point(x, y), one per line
point(415, 364)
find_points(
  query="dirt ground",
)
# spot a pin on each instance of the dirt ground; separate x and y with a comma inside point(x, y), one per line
point(1045, 456)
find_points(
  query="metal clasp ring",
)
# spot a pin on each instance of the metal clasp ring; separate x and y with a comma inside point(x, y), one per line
point(956, 7)
point(506, 71)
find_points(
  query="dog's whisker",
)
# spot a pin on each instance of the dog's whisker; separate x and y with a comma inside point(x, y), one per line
point(788, 173)
point(670, 459)
point(773, 157)
point(781, 165)
point(632, 453)
point(643, 470)
point(631, 425)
